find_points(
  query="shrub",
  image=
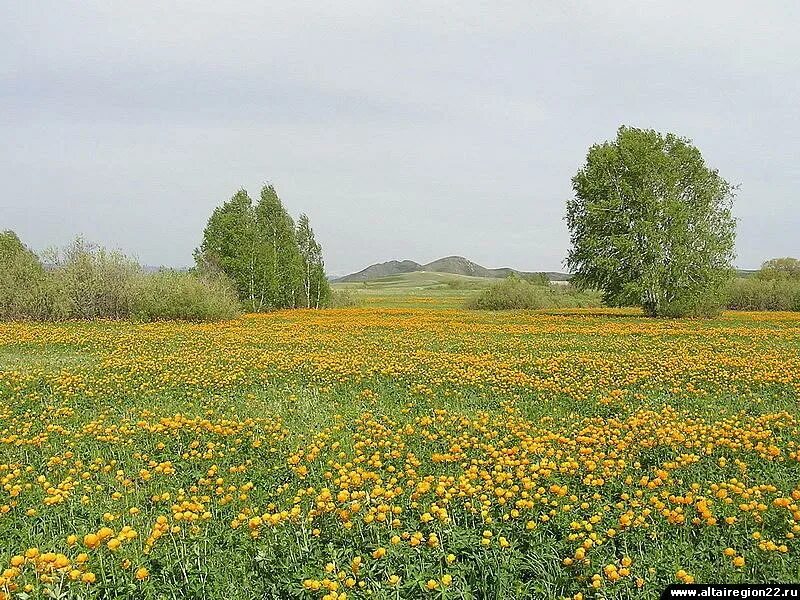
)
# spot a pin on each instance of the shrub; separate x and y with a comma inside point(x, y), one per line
point(191, 296)
point(90, 282)
point(780, 268)
point(515, 293)
point(756, 293)
point(23, 281)
point(342, 299)
point(706, 303)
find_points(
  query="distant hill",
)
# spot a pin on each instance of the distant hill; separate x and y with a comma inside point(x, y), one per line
point(457, 265)
point(378, 270)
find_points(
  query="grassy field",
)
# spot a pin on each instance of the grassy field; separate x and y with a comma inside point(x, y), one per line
point(415, 451)
point(417, 289)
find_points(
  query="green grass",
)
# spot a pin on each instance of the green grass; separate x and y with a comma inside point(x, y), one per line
point(417, 289)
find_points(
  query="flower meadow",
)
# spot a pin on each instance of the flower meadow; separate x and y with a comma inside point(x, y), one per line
point(398, 453)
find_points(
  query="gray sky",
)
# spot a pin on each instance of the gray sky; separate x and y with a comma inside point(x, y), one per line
point(404, 130)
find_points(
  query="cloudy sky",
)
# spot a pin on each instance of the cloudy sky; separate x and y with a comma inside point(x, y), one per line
point(404, 130)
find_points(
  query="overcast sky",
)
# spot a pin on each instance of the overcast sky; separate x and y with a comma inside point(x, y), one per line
point(404, 130)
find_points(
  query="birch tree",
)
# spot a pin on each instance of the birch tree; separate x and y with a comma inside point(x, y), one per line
point(231, 244)
point(282, 267)
point(651, 225)
point(315, 287)
point(256, 245)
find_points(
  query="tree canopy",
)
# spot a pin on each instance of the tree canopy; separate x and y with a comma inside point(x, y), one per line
point(272, 263)
point(315, 288)
point(780, 268)
point(651, 225)
point(22, 280)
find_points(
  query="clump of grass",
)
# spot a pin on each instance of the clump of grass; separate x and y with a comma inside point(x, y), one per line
point(514, 293)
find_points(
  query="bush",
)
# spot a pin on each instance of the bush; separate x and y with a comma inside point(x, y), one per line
point(23, 281)
point(90, 282)
point(756, 293)
point(706, 303)
point(342, 299)
point(171, 295)
point(780, 268)
point(514, 293)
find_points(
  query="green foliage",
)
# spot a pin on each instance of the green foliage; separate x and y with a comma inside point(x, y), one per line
point(230, 246)
point(315, 290)
point(175, 295)
point(537, 278)
point(757, 293)
point(84, 281)
point(23, 281)
point(780, 268)
point(272, 264)
point(90, 282)
point(514, 293)
point(651, 225)
point(282, 270)
point(342, 299)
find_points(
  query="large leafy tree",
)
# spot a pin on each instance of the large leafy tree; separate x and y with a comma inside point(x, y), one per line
point(651, 225)
point(315, 287)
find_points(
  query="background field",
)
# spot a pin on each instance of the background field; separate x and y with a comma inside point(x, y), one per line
point(426, 289)
point(419, 288)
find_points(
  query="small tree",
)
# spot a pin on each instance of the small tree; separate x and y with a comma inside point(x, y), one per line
point(230, 244)
point(24, 290)
point(282, 268)
point(316, 289)
point(780, 268)
point(651, 225)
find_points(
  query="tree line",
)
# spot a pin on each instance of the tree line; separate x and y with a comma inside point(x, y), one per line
point(252, 257)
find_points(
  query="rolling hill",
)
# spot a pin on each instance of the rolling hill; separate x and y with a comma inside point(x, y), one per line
point(456, 265)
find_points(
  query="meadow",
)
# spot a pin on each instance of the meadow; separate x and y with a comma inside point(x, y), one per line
point(403, 449)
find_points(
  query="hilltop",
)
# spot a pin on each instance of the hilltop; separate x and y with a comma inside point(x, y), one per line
point(456, 265)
